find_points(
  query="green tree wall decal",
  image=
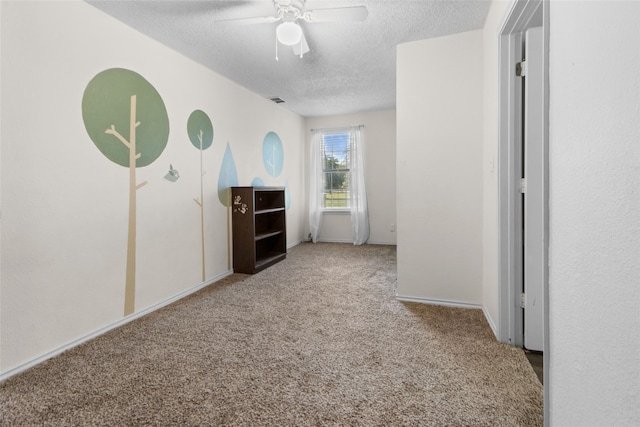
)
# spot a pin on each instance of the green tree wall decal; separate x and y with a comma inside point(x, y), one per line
point(126, 119)
point(200, 132)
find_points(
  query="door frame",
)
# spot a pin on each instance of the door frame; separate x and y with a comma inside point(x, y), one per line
point(510, 321)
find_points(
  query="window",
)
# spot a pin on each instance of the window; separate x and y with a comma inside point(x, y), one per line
point(336, 159)
point(336, 179)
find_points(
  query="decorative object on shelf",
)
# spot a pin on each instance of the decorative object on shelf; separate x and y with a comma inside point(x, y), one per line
point(238, 206)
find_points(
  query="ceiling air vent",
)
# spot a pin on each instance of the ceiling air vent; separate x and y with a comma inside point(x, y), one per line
point(277, 100)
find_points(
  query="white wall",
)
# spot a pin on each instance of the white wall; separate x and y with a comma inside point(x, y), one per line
point(65, 205)
point(440, 169)
point(380, 167)
point(594, 254)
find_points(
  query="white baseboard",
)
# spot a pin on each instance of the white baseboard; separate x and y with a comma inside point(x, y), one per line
point(351, 241)
point(458, 304)
point(335, 241)
point(13, 371)
point(491, 323)
point(294, 244)
point(447, 303)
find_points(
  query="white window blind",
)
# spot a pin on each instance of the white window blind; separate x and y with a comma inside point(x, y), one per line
point(336, 157)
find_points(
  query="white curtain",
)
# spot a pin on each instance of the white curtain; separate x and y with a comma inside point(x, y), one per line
point(315, 185)
point(358, 192)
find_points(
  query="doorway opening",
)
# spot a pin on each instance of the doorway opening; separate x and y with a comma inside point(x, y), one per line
point(523, 179)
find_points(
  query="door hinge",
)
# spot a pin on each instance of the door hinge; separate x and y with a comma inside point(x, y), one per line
point(523, 185)
point(523, 300)
point(521, 68)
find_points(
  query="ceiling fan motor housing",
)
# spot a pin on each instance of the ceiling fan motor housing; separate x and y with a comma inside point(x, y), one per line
point(289, 10)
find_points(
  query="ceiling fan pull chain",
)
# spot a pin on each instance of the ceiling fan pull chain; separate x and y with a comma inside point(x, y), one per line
point(276, 47)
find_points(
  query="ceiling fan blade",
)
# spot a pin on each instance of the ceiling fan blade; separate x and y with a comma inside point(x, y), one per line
point(337, 14)
point(248, 21)
point(302, 47)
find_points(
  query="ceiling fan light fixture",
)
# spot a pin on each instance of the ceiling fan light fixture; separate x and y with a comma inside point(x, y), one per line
point(289, 33)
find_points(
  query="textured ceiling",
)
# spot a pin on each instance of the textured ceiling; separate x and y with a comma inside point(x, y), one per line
point(350, 68)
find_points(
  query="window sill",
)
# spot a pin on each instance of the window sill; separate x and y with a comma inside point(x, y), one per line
point(337, 211)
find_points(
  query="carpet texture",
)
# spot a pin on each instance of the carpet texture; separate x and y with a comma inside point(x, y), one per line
point(317, 339)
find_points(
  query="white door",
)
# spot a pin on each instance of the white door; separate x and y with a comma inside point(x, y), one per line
point(534, 217)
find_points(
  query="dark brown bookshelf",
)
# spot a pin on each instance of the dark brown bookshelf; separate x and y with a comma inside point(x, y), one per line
point(259, 228)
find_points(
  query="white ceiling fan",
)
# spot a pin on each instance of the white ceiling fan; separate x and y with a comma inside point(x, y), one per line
point(289, 12)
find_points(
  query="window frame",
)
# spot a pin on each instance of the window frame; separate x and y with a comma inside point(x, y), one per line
point(346, 169)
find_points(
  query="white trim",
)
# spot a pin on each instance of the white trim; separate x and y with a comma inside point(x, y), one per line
point(76, 342)
point(338, 211)
point(491, 323)
point(372, 242)
point(430, 301)
point(295, 244)
point(335, 241)
point(456, 304)
point(546, 362)
point(351, 241)
point(509, 268)
point(509, 317)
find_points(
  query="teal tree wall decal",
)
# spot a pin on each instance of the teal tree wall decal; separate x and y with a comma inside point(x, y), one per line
point(257, 182)
point(227, 178)
point(200, 132)
point(287, 195)
point(126, 119)
point(272, 154)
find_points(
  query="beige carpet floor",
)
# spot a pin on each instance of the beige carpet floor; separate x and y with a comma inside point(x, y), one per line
point(317, 339)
